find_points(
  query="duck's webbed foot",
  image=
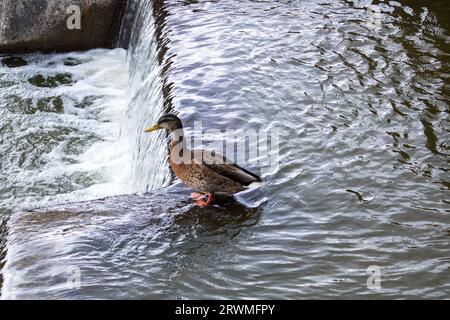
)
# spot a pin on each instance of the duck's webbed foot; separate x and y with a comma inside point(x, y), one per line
point(202, 200)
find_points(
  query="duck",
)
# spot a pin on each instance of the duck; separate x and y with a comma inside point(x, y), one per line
point(206, 171)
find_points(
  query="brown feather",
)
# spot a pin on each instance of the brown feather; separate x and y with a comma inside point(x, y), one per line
point(225, 167)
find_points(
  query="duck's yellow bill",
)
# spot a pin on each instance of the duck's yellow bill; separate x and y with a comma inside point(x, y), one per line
point(153, 128)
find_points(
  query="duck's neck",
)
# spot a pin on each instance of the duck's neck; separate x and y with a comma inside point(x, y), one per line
point(178, 139)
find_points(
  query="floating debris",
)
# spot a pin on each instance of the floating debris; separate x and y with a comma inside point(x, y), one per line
point(362, 197)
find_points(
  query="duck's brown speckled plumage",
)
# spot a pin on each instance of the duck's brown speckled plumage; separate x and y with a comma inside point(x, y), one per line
point(211, 174)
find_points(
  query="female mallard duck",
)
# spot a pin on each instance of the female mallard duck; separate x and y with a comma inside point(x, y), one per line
point(202, 170)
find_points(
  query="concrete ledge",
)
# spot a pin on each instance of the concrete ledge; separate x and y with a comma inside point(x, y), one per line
point(112, 246)
point(41, 25)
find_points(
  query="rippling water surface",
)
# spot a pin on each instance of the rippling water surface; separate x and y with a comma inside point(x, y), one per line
point(360, 95)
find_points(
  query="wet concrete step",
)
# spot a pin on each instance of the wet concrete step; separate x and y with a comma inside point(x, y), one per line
point(112, 246)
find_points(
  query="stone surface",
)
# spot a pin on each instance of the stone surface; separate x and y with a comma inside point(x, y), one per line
point(41, 25)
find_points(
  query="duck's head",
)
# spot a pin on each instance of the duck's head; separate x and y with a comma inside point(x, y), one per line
point(168, 121)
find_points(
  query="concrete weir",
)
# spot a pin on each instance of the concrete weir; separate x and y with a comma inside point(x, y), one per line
point(85, 250)
point(42, 25)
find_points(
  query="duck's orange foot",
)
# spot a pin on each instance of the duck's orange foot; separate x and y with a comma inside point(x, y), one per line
point(197, 196)
point(202, 200)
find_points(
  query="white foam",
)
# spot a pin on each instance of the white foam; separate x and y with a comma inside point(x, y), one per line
point(107, 162)
point(106, 75)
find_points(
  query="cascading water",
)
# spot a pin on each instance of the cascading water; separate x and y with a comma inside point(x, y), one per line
point(146, 104)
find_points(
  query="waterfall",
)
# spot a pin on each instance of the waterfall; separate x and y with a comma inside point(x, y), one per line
point(146, 100)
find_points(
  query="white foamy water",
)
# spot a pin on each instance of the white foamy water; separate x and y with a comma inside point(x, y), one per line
point(51, 155)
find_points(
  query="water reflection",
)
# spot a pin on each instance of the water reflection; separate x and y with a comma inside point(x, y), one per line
point(226, 217)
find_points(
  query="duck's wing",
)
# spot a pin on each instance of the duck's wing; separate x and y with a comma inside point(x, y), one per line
point(224, 167)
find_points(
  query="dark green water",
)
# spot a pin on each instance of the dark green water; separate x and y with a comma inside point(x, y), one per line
point(361, 100)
